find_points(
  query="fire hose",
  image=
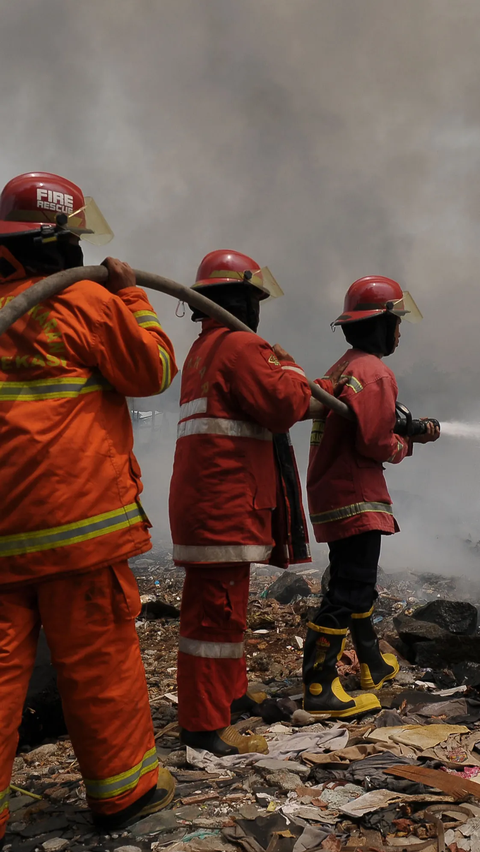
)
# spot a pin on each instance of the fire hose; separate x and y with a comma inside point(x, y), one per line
point(48, 287)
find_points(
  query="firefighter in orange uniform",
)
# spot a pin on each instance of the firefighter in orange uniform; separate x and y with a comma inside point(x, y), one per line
point(71, 512)
point(231, 496)
point(350, 507)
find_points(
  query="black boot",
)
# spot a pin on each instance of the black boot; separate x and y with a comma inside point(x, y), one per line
point(375, 668)
point(324, 695)
point(248, 703)
point(224, 742)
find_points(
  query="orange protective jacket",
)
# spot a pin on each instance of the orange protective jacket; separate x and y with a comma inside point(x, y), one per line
point(347, 492)
point(70, 483)
point(235, 393)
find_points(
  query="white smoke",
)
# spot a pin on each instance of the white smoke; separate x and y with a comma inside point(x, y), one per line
point(329, 140)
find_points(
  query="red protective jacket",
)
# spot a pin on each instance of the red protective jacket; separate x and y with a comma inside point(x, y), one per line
point(234, 394)
point(70, 483)
point(347, 492)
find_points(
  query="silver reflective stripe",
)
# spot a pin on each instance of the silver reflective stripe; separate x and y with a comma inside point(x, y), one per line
point(221, 426)
point(221, 552)
point(195, 406)
point(63, 388)
point(108, 788)
point(294, 369)
point(350, 512)
point(93, 527)
point(211, 650)
point(147, 319)
point(354, 384)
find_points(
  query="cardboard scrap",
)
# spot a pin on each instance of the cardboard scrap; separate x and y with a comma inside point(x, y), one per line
point(418, 737)
point(453, 785)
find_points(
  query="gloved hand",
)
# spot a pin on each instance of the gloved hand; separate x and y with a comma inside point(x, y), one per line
point(282, 354)
point(432, 434)
point(337, 379)
point(120, 275)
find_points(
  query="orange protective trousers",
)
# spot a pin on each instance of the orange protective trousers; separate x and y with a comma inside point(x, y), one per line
point(212, 669)
point(89, 623)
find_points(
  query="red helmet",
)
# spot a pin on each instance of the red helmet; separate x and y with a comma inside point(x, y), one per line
point(374, 295)
point(36, 199)
point(232, 267)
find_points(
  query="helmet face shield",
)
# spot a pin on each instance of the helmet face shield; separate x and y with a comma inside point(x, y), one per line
point(268, 283)
point(406, 308)
point(89, 224)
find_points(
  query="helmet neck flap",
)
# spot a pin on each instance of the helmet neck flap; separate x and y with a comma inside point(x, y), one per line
point(375, 335)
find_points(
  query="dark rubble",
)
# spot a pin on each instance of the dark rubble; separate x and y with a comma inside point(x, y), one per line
point(337, 791)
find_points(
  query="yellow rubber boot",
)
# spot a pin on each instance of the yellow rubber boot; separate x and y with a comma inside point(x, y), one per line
point(224, 742)
point(375, 668)
point(324, 695)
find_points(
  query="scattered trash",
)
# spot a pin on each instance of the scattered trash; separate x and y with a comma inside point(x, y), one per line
point(407, 778)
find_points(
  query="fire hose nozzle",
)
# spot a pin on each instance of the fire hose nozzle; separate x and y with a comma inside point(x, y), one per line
point(407, 426)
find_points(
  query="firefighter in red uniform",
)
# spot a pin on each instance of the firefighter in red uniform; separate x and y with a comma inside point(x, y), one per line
point(350, 507)
point(227, 508)
point(71, 514)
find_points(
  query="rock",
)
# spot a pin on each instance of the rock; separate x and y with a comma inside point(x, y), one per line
point(19, 802)
point(454, 616)
point(56, 844)
point(411, 631)
point(155, 824)
point(44, 826)
point(128, 849)
point(37, 755)
point(285, 780)
point(447, 650)
point(467, 674)
point(287, 587)
point(272, 764)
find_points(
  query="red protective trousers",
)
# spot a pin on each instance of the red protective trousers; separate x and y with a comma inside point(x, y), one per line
point(89, 622)
point(212, 669)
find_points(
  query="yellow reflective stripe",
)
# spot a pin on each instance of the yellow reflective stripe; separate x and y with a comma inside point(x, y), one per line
point(362, 614)
point(332, 631)
point(108, 788)
point(62, 536)
point(354, 384)
point(60, 388)
point(316, 435)
point(399, 447)
point(166, 372)
point(4, 796)
point(350, 512)
point(147, 319)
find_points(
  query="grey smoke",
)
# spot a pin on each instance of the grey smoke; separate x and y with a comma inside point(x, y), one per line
point(327, 138)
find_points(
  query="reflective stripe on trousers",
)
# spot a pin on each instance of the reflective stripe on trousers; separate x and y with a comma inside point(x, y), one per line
point(93, 527)
point(4, 797)
point(350, 512)
point(60, 388)
point(223, 426)
point(211, 650)
point(108, 788)
point(221, 553)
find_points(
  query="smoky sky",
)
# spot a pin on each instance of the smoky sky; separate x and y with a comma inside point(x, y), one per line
point(328, 139)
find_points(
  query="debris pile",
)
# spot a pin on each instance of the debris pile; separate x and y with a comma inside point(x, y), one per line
point(407, 778)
